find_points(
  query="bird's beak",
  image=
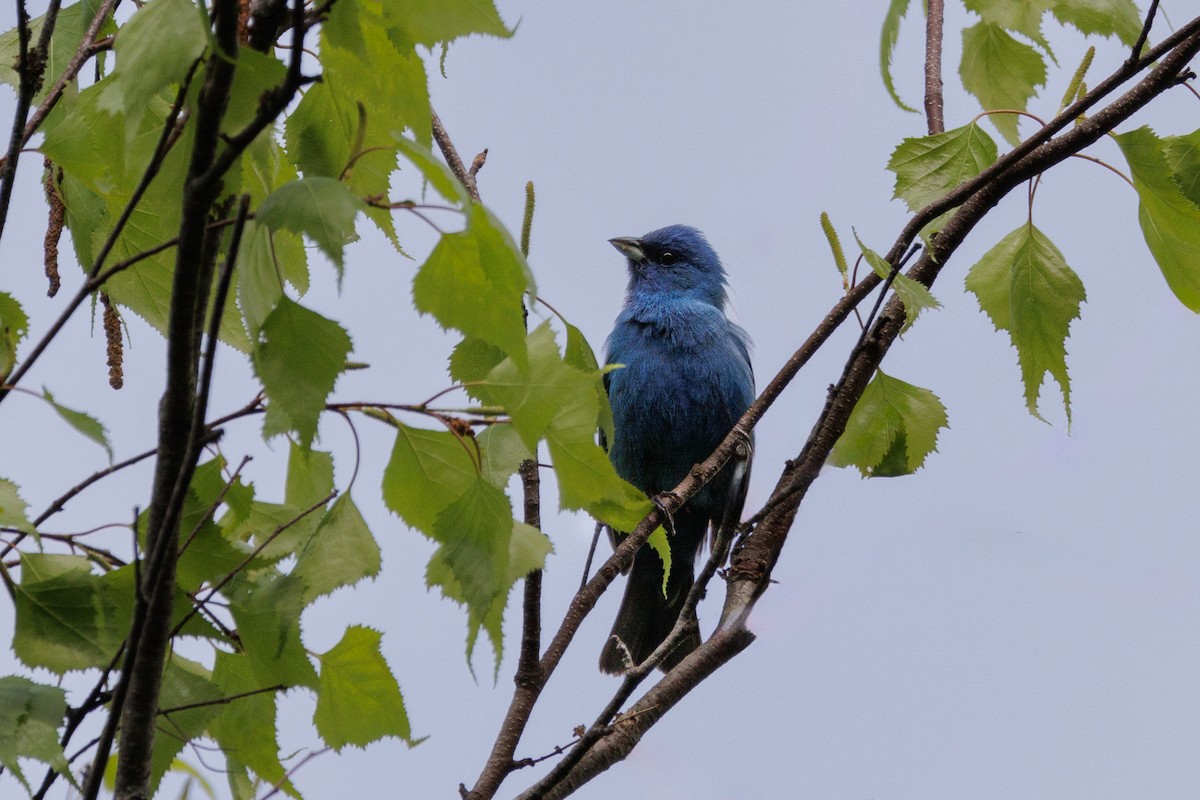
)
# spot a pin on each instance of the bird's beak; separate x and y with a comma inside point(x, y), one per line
point(630, 247)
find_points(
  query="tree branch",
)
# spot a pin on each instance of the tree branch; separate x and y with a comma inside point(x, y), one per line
point(935, 14)
point(754, 559)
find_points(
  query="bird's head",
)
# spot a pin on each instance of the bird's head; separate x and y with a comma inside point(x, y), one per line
point(675, 259)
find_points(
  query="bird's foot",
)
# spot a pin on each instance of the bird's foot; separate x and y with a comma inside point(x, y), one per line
point(660, 502)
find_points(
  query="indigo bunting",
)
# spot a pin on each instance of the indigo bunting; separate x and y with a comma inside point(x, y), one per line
point(684, 381)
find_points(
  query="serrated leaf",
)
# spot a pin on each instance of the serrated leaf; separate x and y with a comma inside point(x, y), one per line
point(426, 472)
point(562, 403)
point(887, 47)
point(1020, 16)
point(66, 619)
point(245, 728)
point(527, 551)
point(30, 716)
point(298, 358)
point(358, 699)
point(1025, 286)
point(327, 125)
point(893, 428)
point(154, 50)
point(429, 22)
point(472, 359)
point(184, 683)
point(86, 424)
point(502, 451)
point(267, 609)
point(1183, 156)
point(1170, 222)
point(1118, 18)
point(321, 208)
point(205, 553)
point(69, 27)
point(382, 67)
point(915, 296)
point(340, 553)
point(659, 543)
point(474, 281)
point(579, 354)
point(928, 167)
point(471, 567)
point(13, 509)
point(1001, 73)
point(13, 327)
point(474, 531)
point(533, 395)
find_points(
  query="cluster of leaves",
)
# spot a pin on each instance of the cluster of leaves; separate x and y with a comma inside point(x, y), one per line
point(1024, 283)
point(248, 567)
point(999, 69)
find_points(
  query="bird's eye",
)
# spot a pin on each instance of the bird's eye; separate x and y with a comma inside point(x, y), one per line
point(667, 258)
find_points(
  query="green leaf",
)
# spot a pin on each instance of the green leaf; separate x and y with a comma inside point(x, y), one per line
point(298, 358)
point(30, 716)
point(340, 553)
point(1183, 155)
point(66, 618)
point(472, 359)
point(427, 471)
point(267, 609)
point(245, 729)
point(893, 428)
point(327, 125)
point(927, 168)
point(184, 683)
point(13, 510)
point(474, 281)
point(659, 543)
point(257, 73)
point(1118, 18)
point(321, 208)
point(13, 327)
point(474, 531)
point(205, 552)
point(533, 395)
point(1001, 72)
point(86, 424)
point(69, 28)
point(154, 50)
point(562, 403)
point(503, 451)
point(915, 296)
point(1026, 288)
point(380, 66)
point(309, 476)
point(429, 22)
point(1170, 221)
point(527, 551)
point(887, 47)
point(433, 170)
point(1020, 16)
point(358, 699)
point(579, 354)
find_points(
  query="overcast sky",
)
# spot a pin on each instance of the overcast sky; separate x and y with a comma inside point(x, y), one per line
point(1016, 620)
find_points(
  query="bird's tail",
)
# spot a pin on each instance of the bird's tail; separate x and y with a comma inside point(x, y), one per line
point(646, 616)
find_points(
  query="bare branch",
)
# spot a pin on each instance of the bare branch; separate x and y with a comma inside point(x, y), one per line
point(935, 14)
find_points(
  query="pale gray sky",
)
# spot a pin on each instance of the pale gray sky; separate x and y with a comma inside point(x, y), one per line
point(1017, 620)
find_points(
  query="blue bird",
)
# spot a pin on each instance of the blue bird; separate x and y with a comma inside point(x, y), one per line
point(685, 380)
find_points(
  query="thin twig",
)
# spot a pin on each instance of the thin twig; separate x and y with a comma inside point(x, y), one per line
point(466, 177)
point(934, 112)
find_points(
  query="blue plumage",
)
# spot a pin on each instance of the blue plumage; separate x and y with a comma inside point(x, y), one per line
point(685, 382)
